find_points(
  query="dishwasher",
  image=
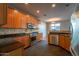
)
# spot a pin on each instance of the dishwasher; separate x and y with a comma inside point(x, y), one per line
point(54, 39)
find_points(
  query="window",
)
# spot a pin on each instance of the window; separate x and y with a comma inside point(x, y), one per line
point(55, 26)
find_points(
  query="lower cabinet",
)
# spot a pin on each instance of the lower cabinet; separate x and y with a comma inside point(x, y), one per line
point(64, 41)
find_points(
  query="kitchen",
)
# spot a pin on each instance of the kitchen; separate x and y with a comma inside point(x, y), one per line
point(23, 26)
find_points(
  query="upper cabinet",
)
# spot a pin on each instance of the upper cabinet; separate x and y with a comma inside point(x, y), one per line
point(3, 13)
point(17, 19)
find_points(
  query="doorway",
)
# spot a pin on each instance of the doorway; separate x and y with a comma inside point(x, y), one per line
point(42, 29)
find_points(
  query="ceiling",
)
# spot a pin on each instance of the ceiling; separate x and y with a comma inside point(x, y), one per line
point(62, 10)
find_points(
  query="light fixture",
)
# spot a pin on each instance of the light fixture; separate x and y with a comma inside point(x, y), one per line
point(27, 15)
point(37, 11)
point(26, 3)
point(53, 5)
point(15, 11)
point(52, 25)
point(54, 19)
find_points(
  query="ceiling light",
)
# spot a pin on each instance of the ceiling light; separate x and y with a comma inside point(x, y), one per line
point(37, 11)
point(53, 5)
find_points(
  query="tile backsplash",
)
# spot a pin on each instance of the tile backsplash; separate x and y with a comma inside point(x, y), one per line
point(11, 31)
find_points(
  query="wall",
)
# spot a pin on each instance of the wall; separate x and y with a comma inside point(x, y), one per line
point(65, 25)
point(42, 29)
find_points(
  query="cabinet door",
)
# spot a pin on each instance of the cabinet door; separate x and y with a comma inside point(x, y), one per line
point(62, 41)
point(3, 13)
point(15, 19)
point(67, 42)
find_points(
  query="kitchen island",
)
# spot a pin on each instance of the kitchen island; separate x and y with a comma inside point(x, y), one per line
point(60, 38)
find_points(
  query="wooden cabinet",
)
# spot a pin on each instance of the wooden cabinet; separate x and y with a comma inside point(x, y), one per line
point(67, 42)
point(64, 41)
point(3, 13)
point(16, 19)
point(32, 20)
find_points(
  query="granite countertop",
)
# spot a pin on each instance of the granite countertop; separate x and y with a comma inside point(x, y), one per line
point(13, 35)
point(59, 32)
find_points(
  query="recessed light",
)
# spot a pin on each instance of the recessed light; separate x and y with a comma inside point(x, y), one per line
point(37, 11)
point(53, 5)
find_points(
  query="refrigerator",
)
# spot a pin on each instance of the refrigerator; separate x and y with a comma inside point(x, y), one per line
point(75, 35)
